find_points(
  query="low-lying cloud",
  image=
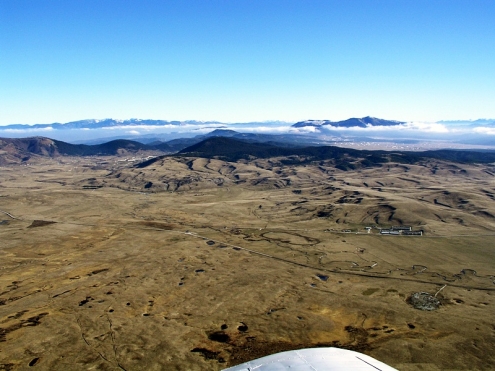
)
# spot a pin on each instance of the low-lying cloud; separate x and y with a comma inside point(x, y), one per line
point(485, 130)
point(456, 130)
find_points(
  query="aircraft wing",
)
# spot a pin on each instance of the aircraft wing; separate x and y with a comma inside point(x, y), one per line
point(314, 359)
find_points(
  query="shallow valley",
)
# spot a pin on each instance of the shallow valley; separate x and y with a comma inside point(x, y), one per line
point(200, 264)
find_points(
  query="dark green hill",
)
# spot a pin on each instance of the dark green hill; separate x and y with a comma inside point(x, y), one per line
point(231, 149)
point(50, 147)
point(109, 148)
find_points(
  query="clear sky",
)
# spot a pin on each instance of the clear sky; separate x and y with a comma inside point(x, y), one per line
point(246, 60)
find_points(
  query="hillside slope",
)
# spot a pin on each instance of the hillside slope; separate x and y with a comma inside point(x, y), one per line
point(231, 149)
point(14, 150)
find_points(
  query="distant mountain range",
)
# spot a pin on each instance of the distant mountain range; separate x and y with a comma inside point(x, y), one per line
point(349, 123)
point(106, 123)
point(311, 132)
point(111, 123)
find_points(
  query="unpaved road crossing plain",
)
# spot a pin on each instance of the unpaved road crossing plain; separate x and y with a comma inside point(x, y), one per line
point(196, 264)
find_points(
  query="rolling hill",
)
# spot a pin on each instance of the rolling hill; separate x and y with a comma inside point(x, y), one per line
point(231, 148)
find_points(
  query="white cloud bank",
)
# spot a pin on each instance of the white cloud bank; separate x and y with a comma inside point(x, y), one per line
point(410, 130)
point(485, 130)
point(22, 131)
point(425, 127)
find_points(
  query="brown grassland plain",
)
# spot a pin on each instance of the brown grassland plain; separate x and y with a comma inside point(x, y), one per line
point(197, 264)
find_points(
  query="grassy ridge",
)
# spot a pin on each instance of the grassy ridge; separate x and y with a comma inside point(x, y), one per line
point(230, 149)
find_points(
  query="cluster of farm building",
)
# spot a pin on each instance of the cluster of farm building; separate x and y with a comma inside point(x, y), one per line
point(401, 230)
point(394, 231)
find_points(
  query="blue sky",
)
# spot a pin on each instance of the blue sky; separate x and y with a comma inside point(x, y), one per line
point(246, 60)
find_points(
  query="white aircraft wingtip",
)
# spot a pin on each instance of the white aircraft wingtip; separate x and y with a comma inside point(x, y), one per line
point(314, 359)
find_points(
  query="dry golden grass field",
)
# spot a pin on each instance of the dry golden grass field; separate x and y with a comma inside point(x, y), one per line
point(196, 264)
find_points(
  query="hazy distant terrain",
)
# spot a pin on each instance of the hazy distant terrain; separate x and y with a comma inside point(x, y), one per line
point(370, 132)
point(207, 259)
